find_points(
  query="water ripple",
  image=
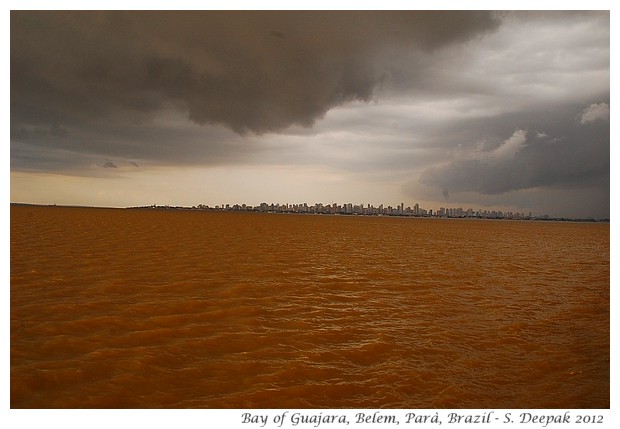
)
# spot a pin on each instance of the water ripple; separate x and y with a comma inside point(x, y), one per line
point(154, 309)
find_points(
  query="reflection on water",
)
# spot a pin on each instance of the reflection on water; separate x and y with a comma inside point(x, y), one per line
point(147, 309)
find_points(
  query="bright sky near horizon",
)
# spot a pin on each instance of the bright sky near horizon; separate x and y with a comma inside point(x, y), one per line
point(480, 109)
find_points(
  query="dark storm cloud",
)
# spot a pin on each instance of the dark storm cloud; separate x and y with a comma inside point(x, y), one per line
point(250, 71)
point(549, 149)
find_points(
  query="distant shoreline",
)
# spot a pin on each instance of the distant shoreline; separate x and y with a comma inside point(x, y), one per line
point(258, 210)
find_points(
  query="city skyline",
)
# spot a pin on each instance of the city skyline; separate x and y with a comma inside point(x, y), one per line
point(365, 210)
point(505, 111)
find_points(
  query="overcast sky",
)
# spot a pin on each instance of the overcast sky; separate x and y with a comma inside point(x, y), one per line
point(491, 110)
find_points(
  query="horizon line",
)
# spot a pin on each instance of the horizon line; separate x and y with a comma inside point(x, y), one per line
point(255, 209)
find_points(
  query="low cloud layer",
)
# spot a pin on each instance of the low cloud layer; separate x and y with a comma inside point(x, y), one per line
point(559, 152)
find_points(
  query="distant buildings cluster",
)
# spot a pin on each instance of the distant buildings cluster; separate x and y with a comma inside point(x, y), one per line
point(361, 210)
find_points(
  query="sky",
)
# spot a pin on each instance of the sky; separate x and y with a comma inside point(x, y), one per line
point(505, 110)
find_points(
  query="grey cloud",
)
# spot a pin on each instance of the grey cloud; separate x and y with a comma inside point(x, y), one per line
point(534, 56)
point(566, 155)
point(594, 112)
point(170, 140)
point(250, 71)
